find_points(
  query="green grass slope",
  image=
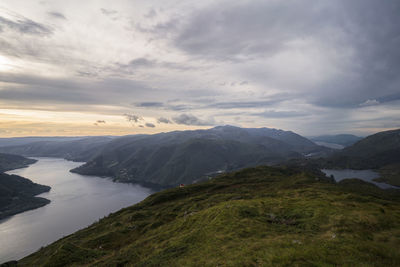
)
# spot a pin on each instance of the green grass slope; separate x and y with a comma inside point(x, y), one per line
point(265, 216)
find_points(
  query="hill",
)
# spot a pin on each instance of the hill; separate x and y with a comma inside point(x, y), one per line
point(265, 216)
point(379, 151)
point(168, 159)
point(17, 194)
point(339, 139)
point(17, 141)
point(11, 162)
point(74, 149)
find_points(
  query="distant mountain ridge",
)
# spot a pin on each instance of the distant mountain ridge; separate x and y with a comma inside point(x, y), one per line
point(76, 149)
point(372, 152)
point(186, 156)
point(17, 141)
point(380, 151)
point(339, 139)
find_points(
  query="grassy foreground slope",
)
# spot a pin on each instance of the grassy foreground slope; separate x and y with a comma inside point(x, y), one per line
point(255, 217)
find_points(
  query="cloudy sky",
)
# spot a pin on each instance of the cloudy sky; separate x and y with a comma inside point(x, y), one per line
point(125, 67)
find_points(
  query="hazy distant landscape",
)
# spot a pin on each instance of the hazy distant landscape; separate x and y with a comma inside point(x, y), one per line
point(199, 133)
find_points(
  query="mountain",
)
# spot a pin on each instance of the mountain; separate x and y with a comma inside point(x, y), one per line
point(76, 149)
point(10, 162)
point(264, 216)
point(172, 158)
point(343, 140)
point(17, 194)
point(379, 151)
point(17, 141)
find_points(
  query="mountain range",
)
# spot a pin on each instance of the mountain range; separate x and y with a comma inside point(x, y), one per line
point(343, 140)
point(380, 151)
point(70, 148)
point(167, 159)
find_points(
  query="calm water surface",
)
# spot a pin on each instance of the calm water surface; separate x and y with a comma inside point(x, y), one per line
point(76, 202)
point(365, 175)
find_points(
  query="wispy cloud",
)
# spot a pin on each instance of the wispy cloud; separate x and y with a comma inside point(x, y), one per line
point(57, 15)
point(25, 26)
point(133, 117)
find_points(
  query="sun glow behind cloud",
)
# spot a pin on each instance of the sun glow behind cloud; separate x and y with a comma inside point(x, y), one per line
point(5, 64)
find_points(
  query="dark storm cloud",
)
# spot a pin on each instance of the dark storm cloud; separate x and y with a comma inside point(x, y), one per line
point(150, 125)
point(227, 30)
point(25, 26)
point(188, 119)
point(57, 15)
point(366, 29)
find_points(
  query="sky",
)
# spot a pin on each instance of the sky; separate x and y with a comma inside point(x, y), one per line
point(119, 67)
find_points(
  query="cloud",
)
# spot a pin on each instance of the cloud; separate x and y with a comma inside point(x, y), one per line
point(57, 15)
point(150, 125)
point(149, 104)
point(188, 119)
point(151, 14)
point(370, 102)
point(141, 62)
point(242, 62)
point(25, 26)
point(108, 12)
point(275, 99)
point(280, 114)
point(145, 63)
point(163, 120)
point(229, 30)
point(132, 117)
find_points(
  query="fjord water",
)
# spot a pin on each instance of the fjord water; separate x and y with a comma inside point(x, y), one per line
point(365, 175)
point(76, 202)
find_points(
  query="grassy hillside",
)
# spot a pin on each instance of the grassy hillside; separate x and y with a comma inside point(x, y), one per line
point(261, 216)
